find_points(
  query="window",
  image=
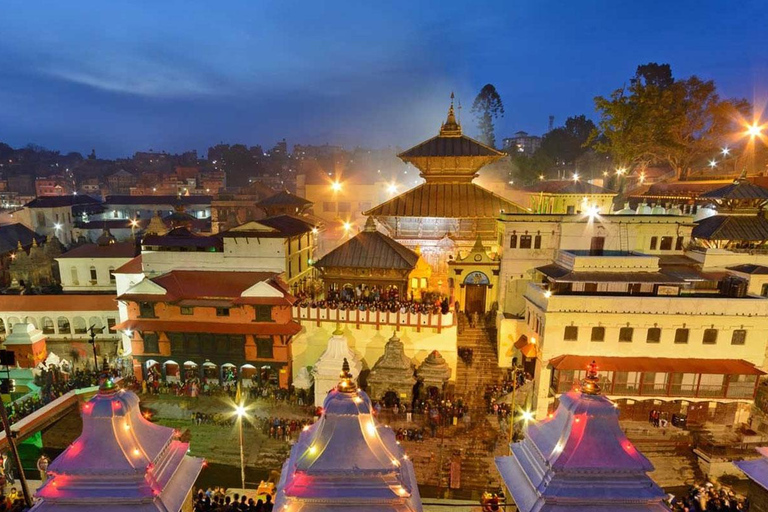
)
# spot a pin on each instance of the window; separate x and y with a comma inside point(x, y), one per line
point(513, 242)
point(222, 311)
point(263, 313)
point(187, 310)
point(93, 274)
point(570, 209)
point(590, 287)
point(111, 322)
point(264, 348)
point(666, 243)
point(654, 335)
point(679, 243)
point(525, 241)
point(739, 337)
point(146, 310)
point(764, 290)
point(537, 242)
point(710, 336)
point(111, 275)
point(571, 333)
point(681, 335)
point(73, 272)
point(598, 334)
point(654, 242)
point(329, 206)
point(151, 344)
point(345, 206)
point(625, 334)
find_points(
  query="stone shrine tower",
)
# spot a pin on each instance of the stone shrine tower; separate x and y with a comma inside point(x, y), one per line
point(393, 372)
point(326, 370)
point(28, 344)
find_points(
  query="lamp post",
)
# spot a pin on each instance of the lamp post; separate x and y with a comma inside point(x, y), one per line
point(92, 341)
point(240, 412)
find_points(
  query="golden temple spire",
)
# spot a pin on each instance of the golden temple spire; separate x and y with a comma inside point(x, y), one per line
point(450, 128)
point(346, 383)
point(591, 383)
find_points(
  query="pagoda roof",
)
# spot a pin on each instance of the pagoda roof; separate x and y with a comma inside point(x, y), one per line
point(581, 442)
point(753, 228)
point(348, 461)
point(756, 469)
point(740, 189)
point(440, 145)
point(446, 200)
point(567, 187)
point(284, 198)
point(370, 249)
point(121, 461)
point(272, 227)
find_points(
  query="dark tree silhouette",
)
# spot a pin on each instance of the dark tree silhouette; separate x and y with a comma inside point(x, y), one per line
point(486, 108)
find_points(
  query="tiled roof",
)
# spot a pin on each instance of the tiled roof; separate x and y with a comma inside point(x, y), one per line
point(61, 201)
point(567, 187)
point(680, 189)
point(564, 275)
point(60, 302)
point(284, 198)
point(751, 228)
point(739, 189)
point(182, 237)
point(450, 146)
point(132, 267)
point(141, 324)
point(151, 200)
point(115, 250)
point(12, 234)
point(370, 249)
point(448, 200)
point(657, 364)
point(286, 225)
point(749, 268)
point(198, 284)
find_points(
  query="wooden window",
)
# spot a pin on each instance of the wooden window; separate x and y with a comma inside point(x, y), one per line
point(654, 335)
point(263, 313)
point(598, 334)
point(329, 206)
point(525, 241)
point(590, 287)
point(111, 322)
point(625, 334)
point(739, 337)
point(681, 335)
point(513, 242)
point(537, 242)
point(146, 310)
point(345, 206)
point(151, 344)
point(666, 243)
point(571, 333)
point(94, 276)
point(654, 242)
point(264, 348)
point(187, 310)
point(710, 336)
point(679, 243)
point(222, 311)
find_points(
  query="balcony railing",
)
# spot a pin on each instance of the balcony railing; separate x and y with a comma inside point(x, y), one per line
point(378, 318)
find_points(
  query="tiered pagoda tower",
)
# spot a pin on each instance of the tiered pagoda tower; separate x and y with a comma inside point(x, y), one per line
point(347, 461)
point(448, 211)
point(121, 463)
point(579, 459)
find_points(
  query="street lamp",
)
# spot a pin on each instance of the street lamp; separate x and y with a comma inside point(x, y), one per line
point(92, 341)
point(726, 151)
point(713, 163)
point(336, 186)
point(392, 188)
point(575, 176)
point(240, 413)
point(754, 130)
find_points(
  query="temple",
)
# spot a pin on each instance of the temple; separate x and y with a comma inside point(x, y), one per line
point(121, 462)
point(578, 459)
point(347, 461)
point(447, 212)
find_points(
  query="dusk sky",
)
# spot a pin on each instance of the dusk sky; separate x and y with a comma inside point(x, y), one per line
point(122, 76)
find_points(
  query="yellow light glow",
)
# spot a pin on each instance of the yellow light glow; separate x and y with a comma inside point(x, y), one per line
point(528, 416)
point(593, 211)
point(754, 130)
point(620, 171)
point(392, 188)
point(401, 491)
point(136, 452)
point(127, 427)
point(575, 176)
point(306, 427)
point(370, 428)
point(336, 186)
point(541, 176)
point(395, 463)
point(240, 411)
point(405, 457)
point(357, 399)
point(533, 340)
point(315, 231)
point(312, 450)
point(347, 226)
point(547, 294)
point(642, 177)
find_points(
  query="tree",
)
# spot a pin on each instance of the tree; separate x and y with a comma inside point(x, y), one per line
point(567, 143)
point(486, 108)
point(660, 119)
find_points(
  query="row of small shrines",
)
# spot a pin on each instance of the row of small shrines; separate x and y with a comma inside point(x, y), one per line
point(347, 460)
point(392, 377)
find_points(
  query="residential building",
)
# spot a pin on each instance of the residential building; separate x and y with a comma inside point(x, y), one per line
point(522, 143)
point(565, 196)
point(120, 182)
point(53, 186)
point(57, 215)
point(90, 267)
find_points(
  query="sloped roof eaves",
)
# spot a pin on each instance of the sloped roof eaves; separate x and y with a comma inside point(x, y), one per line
point(727, 227)
point(447, 200)
point(370, 250)
point(450, 146)
point(744, 190)
point(284, 198)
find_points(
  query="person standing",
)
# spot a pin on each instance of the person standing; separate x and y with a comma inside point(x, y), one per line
point(42, 467)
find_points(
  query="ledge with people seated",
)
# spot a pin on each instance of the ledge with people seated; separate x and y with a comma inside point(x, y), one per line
point(408, 314)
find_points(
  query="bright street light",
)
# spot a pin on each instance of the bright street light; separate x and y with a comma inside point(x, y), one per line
point(528, 416)
point(336, 186)
point(575, 176)
point(240, 413)
point(347, 226)
point(713, 163)
point(754, 130)
point(620, 171)
point(642, 177)
point(726, 151)
point(57, 226)
point(392, 188)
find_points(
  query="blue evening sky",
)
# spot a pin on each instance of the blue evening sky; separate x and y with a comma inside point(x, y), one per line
point(121, 76)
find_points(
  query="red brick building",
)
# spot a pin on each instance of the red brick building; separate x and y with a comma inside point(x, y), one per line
point(212, 325)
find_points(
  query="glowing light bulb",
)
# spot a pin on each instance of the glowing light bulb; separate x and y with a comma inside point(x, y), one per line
point(312, 450)
point(575, 176)
point(127, 427)
point(370, 428)
point(528, 416)
point(136, 452)
point(392, 188)
point(336, 186)
point(754, 130)
point(306, 427)
point(547, 294)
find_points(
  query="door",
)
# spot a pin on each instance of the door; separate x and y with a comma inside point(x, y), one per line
point(597, 245)
point(475, 298)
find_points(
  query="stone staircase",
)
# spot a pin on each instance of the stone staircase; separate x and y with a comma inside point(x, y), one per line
point(471, 379)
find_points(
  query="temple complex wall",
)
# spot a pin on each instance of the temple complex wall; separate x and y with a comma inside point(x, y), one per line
point(368, 342)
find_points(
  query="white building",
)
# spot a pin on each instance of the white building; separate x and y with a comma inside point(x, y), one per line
point(90, 267)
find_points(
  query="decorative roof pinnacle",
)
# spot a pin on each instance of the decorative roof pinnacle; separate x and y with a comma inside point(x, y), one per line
point(451, 127)
point(590, 384)
point(347, 383)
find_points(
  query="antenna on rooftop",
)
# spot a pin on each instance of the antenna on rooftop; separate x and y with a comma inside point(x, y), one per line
point(551, 123)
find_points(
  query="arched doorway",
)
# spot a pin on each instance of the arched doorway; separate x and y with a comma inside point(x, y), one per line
point(247, 373)
point(210, 372)
point(172, 371)
point(190, 370)
point(390, 399)
point(152, 370)
point(475, 288)
point(228, 373)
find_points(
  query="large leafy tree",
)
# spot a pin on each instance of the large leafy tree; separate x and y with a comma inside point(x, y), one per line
point(487, 107)
point(567, 143)
point(659, 119)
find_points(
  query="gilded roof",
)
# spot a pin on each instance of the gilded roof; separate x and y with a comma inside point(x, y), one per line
point(370, 249)
point(732, 227)
point(447, 200)
point(449, 146)
point(739, 189)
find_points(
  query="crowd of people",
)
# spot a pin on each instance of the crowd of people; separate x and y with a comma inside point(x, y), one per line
point(708, 498)
point(377, 298)
point(12, 502)
point(216, 500)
